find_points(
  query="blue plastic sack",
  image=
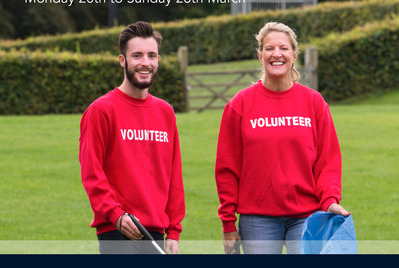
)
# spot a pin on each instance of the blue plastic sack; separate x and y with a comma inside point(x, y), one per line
point(328, 233)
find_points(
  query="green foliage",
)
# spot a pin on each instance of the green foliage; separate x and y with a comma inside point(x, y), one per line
point(226, 37)
point(353, 60)
point(360, 61)
point(34, 19)
point(51, 82)
point(6, 27)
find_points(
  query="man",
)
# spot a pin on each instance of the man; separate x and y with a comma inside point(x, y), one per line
point(130, 155)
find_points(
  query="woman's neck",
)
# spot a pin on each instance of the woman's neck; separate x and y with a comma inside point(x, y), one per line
point(278, 84)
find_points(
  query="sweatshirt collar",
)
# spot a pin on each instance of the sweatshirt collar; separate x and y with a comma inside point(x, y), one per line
point(277, 94)
point(133, 101)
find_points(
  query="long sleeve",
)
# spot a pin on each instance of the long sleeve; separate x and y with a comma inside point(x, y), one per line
point(328, 164)
point(228, 167)
point(92, 150)
point(176, 203)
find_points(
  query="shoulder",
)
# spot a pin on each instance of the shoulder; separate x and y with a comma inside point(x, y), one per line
point(103, 102)
point(314, 95)
point(163, 105)
point(309, 91)
point(237, 102)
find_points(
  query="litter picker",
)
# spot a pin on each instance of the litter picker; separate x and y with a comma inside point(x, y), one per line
point(146, 234)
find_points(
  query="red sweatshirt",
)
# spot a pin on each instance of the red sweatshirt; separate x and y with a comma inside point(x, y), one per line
point(130, 162)
point(277, 155)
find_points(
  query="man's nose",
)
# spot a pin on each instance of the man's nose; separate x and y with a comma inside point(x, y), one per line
point(145, 60)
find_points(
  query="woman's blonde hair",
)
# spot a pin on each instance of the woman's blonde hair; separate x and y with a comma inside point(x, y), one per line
point(278, 27)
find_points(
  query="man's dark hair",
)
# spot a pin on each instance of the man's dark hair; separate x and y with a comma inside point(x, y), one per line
point(138, 29)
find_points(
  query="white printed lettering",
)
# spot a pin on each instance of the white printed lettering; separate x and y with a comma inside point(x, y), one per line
point(123, 132)
point(144, 135)
point(307, 122)
point(261, 122)
point(295, 121)
point(267, 122)
point(274, 122)
point(288, 120)
point(140, 137)
point(301, 121)
point(130, 134)
point(281, 121)
point(253, 123)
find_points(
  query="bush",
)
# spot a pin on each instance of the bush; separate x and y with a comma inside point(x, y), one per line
point(360, 61)
point(50, 82)
point(34, 19)
point(225, 38)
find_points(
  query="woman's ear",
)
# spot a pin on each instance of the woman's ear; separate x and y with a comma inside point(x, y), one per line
point(260, 57)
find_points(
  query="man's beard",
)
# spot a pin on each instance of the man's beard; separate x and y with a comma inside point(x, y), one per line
point(134, 81)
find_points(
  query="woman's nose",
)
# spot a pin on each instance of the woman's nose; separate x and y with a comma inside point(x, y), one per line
point(277, 53)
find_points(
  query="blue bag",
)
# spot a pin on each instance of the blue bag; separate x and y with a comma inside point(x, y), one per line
point(328, 233)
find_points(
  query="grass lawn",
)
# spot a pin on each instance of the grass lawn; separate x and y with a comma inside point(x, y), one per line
point(45, 208)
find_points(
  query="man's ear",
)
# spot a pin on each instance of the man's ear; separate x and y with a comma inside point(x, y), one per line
point(122, 60)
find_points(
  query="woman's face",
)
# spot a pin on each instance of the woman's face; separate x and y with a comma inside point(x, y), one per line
point(277, 55)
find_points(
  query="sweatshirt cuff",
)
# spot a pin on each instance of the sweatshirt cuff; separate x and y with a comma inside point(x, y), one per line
point(229, 226)
point(114, 216)
point(326, 203)
point(173, 234)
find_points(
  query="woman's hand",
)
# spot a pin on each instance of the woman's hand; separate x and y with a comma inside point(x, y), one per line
point(171, 246)
point(337, 209)
point(229, 239)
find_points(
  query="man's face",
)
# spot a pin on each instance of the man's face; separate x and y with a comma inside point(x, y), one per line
point(141, 62)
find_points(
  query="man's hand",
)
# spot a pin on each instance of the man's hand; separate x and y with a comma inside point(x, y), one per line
point(171, 246)
point(337, 209)
point(229, 239)
point(126, 226)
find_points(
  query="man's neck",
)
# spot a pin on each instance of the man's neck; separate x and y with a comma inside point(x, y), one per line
point(132, 91)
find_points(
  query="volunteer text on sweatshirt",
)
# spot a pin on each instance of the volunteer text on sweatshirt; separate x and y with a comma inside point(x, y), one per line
point(277, 155)
point(130, 162)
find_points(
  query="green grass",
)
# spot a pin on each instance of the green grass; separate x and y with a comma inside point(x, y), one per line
point(369, 142)
point(45, 208)
point(39, 170)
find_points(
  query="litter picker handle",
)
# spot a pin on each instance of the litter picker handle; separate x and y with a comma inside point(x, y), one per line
point(141, 228)
point(145, 233)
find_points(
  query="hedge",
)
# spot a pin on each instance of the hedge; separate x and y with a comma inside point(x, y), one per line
point(361, 61)
point(225, 38)
point(50, 82)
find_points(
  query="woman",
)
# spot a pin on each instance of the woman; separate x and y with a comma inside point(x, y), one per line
point(278, 158)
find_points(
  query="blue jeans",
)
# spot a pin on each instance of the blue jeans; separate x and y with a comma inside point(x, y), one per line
point(267, 235)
